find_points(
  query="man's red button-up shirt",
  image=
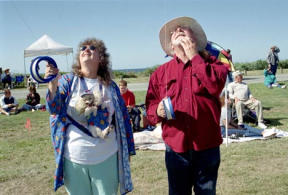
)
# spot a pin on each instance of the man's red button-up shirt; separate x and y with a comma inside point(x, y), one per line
point(194, 89)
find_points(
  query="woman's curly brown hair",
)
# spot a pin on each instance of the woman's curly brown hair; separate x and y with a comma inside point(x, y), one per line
point(104, 70)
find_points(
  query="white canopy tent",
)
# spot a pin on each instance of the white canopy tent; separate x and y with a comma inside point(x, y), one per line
point(46, 46)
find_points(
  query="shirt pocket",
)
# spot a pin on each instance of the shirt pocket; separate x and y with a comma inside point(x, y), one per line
point(168, 88)
point(197, 86)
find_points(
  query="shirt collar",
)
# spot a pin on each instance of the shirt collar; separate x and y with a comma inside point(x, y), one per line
point(180, 63)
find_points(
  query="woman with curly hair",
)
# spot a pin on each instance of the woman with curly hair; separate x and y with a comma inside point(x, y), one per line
point(89, 164)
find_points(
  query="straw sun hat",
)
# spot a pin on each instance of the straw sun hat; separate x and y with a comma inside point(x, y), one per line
point(169, 27)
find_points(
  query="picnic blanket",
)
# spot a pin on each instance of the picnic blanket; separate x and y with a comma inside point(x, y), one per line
point(152, 140)
point(149, 140)
point(279, 134)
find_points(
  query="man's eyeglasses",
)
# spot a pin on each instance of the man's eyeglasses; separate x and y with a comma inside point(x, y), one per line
point(84, 47)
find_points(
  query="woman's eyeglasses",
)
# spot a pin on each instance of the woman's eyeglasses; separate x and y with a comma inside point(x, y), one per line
point(91, 47)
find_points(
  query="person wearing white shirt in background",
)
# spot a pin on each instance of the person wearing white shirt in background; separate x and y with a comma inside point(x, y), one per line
point(8, 104)
point(240, 92)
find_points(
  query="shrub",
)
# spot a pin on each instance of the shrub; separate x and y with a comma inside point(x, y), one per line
point(260, 65)
point(257, 65)
point(149, 71)
point(283, 64)
point(120, 74)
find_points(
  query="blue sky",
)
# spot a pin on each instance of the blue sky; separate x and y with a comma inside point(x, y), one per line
point(130, 28)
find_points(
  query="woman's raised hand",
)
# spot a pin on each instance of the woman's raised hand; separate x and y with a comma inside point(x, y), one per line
point(52, 85)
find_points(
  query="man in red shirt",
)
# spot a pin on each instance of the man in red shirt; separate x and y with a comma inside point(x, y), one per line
point(129, 100)
point(193, 80)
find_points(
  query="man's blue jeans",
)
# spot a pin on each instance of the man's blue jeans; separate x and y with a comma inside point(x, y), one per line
point(274, 68)
point(198, 169)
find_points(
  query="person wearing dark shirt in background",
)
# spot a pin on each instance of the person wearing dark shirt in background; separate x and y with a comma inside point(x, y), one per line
point(32, 100)
point(193, 80)
point(129, 99)
point(7, 79)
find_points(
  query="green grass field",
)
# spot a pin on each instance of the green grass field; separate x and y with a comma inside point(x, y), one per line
point(256, 167)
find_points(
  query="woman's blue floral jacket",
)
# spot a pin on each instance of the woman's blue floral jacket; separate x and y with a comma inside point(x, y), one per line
point(59, 124)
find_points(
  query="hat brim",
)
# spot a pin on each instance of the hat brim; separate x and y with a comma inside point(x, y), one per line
point(169, 27)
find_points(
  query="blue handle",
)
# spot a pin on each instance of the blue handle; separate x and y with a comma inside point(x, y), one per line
point(34, 68)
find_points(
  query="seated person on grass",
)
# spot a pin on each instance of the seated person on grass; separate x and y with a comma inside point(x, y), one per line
point(8, 103)
point(129, 99)
point(234, 129)
point(32, 100)
point(270, 79)
point(241, 95)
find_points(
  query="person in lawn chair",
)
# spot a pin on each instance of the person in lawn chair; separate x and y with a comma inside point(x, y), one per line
point(233, 130)
point(240, 93)
point(129, 99)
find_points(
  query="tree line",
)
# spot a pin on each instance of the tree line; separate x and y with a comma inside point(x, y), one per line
point(242, 66)
point(258, 65)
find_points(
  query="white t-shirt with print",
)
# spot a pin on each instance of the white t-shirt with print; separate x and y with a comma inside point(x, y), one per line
point(80, 147)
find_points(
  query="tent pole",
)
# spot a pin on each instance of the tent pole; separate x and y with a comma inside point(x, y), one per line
point(25, 83)
point(72, 58)
point(226, 106)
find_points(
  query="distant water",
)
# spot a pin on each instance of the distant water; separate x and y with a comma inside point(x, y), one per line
point(131, 70)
